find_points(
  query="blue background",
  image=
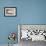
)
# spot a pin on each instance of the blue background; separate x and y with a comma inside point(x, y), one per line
point(28, 12)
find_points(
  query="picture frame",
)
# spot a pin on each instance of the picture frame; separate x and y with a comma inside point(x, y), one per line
point(39, 28)
point(10, 11)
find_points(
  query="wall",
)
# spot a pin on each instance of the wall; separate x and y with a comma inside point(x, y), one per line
point(33, 12)
point(8, 24)
point(28, 12)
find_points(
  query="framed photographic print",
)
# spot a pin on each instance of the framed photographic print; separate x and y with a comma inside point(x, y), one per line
point(10, 11)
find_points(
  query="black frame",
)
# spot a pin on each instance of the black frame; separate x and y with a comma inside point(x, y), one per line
point(10, 7)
